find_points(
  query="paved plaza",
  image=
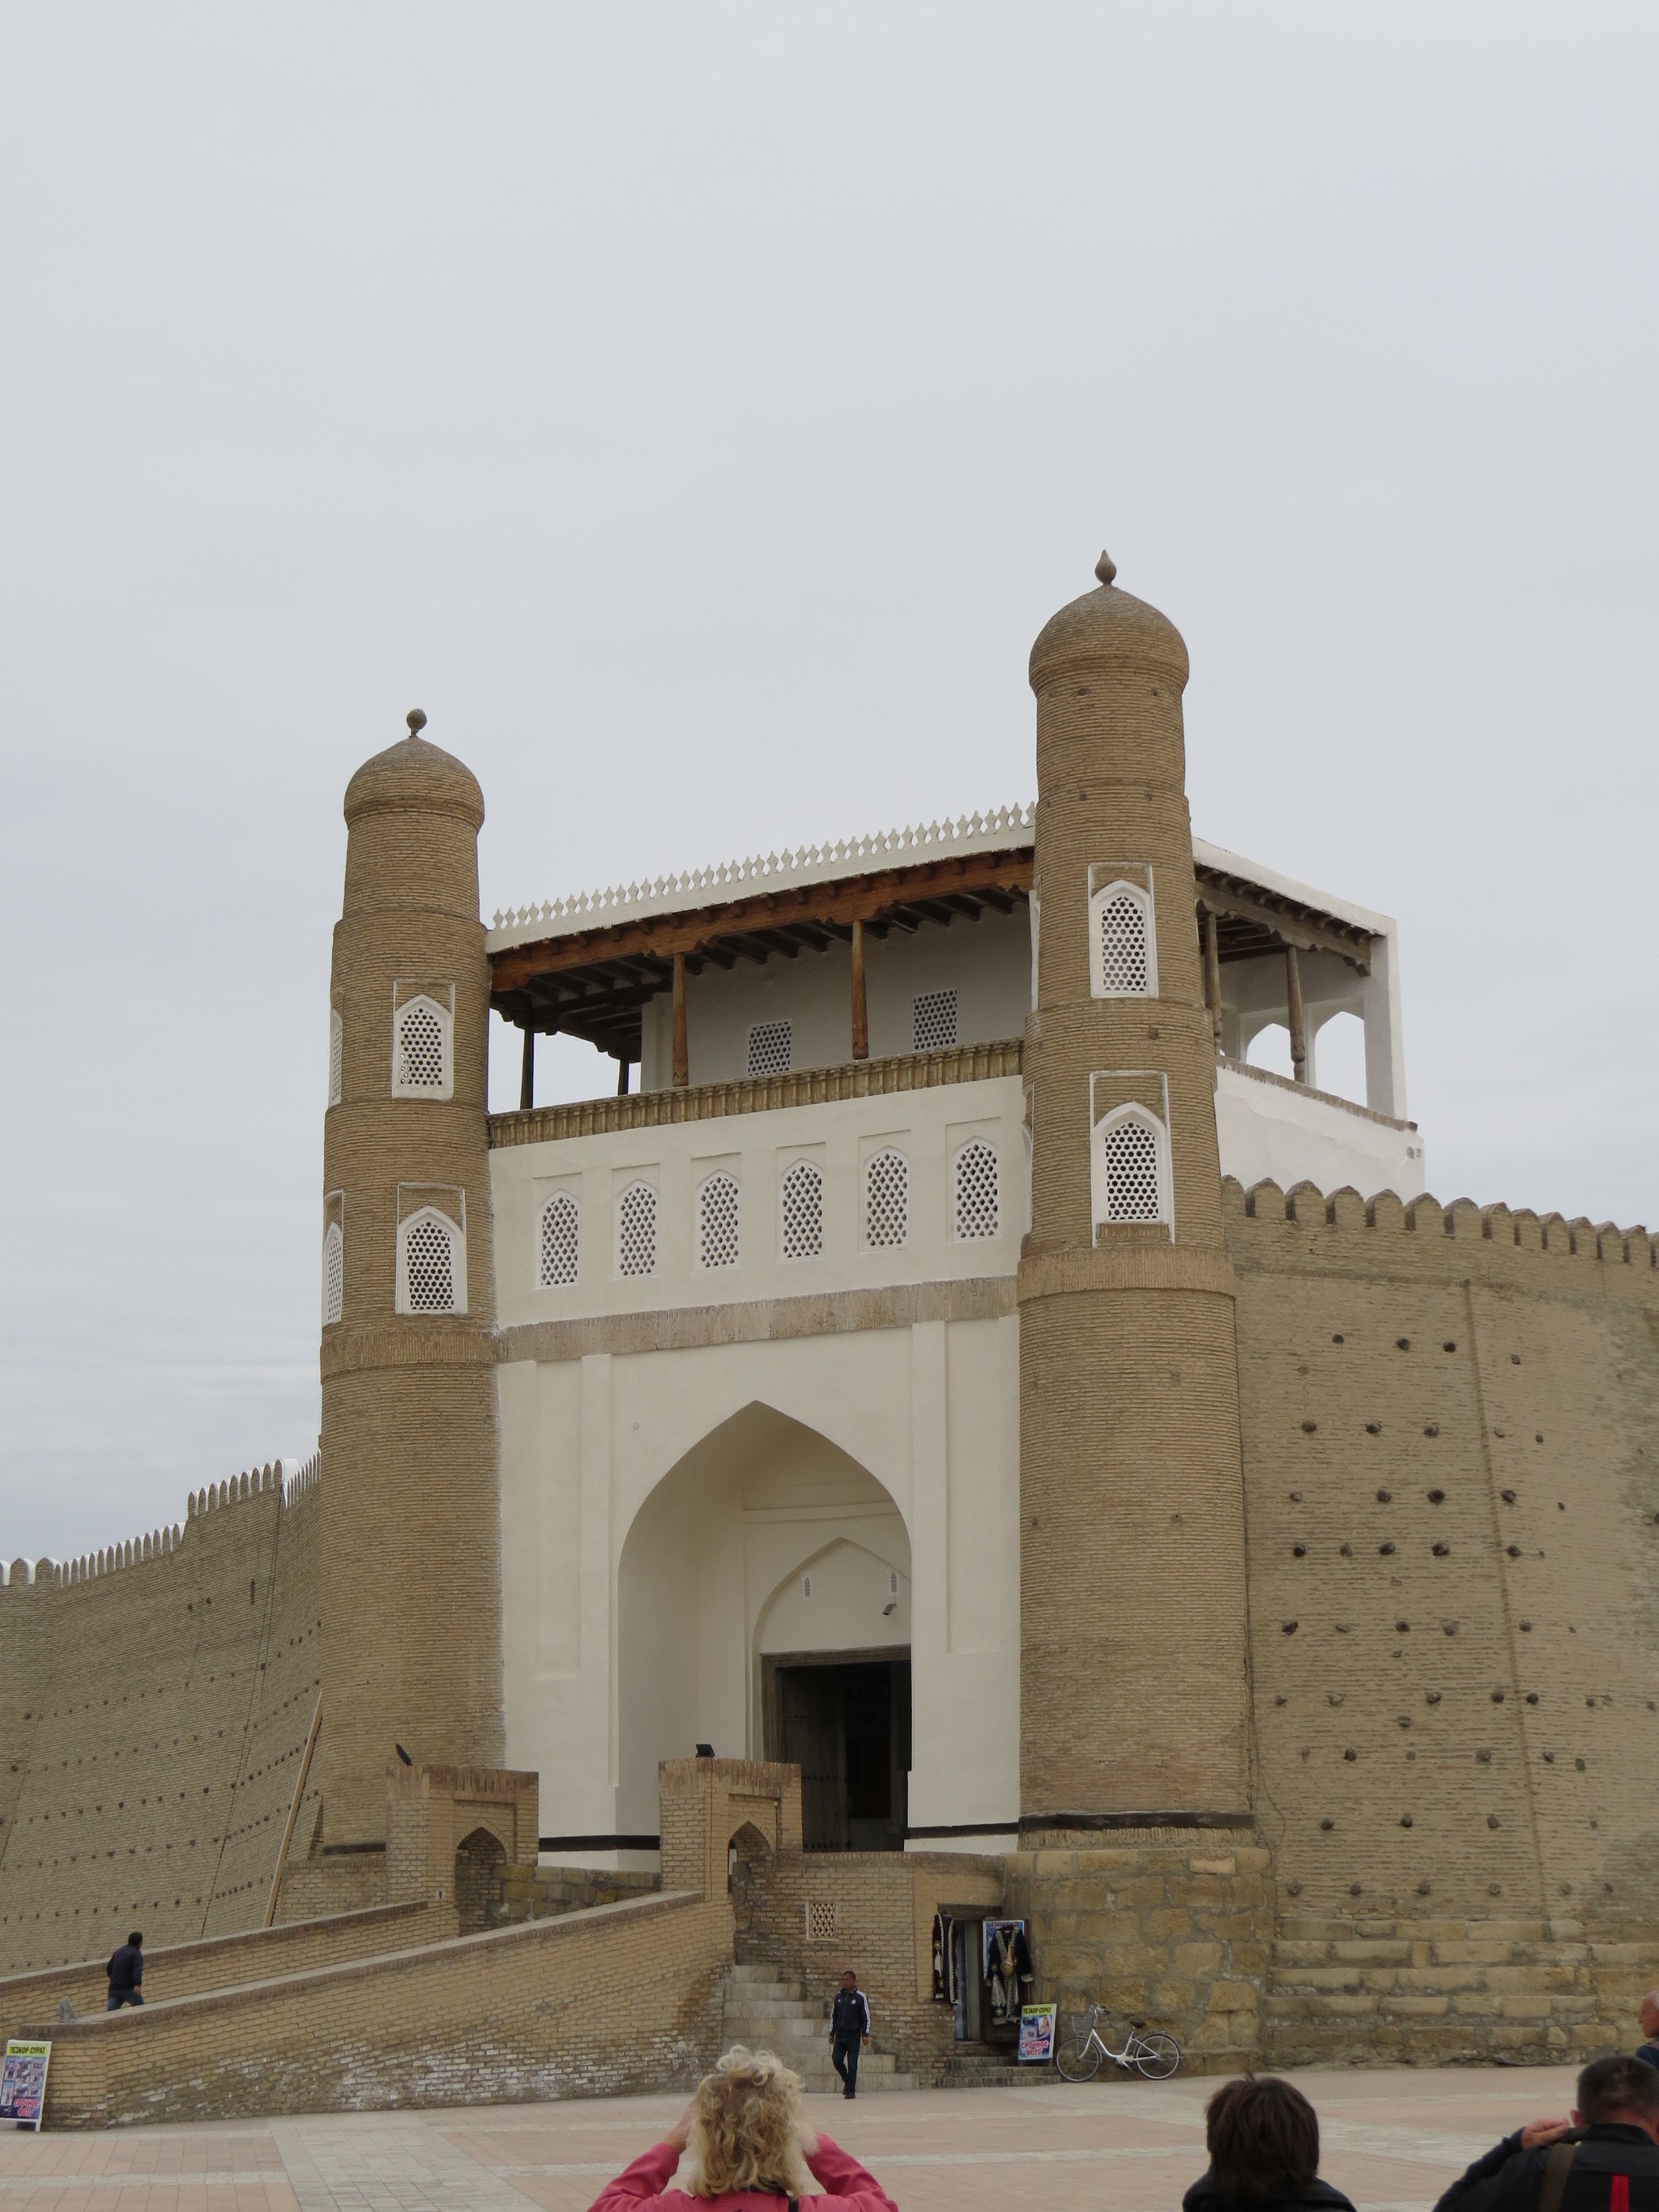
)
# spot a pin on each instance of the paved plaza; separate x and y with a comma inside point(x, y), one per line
point(1392, 2139)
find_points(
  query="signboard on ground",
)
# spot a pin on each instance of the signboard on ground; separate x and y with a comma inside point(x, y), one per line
point(1037, 2034)
point(24, 2083)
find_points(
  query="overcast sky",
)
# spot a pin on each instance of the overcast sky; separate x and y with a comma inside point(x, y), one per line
point(698, 411)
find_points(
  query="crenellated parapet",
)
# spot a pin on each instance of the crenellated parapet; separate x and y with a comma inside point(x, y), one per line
point(1268, 1227)
point(295, 1480)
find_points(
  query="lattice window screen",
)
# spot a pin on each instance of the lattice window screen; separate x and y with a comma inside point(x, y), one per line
point(1132, 1192)
point(430, 1265)
point(771, 1048)
point(1122, 950)
point(887, 1198)
point(559, 1246)
point(333, 1274)
point(803, 1211)
point(421, 1053)
point(717, 1223)
point(934, 1021)
point(820, 1920)
point(336, 1055)
point(977, 1212)
point(636, 1231)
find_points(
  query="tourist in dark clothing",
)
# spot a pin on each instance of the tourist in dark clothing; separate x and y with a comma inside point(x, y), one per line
point(849, 2030)
point(1263, 2141)
point(1605, 2158)
point(1649, 2017)
point(125, 1970)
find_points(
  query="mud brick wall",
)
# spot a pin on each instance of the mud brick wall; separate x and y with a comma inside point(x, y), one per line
point(1451, 1469)
point(1169, 1926)
point(156, 1696)
point(615, 2000)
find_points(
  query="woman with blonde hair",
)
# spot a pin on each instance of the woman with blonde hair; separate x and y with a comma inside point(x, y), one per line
point(749, 2144)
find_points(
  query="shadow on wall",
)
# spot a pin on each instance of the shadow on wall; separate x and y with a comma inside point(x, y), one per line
point(719, 1555)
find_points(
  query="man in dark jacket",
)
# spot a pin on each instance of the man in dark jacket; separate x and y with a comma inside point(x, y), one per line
point(1606, 2157)
point(126, 1970)
point(849, 2030)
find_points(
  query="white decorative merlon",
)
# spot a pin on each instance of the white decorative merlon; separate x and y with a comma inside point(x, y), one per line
point(1002, 828)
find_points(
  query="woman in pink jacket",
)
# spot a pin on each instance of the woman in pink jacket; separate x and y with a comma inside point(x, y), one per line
point(749, 2144)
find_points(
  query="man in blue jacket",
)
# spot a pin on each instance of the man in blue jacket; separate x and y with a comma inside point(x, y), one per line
point(1648, 2016)
point(1604, 2158)
point(849, 2032)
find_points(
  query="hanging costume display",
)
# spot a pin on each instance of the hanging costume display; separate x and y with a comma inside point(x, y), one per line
point(1008, 1969)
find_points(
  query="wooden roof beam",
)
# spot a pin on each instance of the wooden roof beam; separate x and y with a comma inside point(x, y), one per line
point(1307, 932)
point(866, 898)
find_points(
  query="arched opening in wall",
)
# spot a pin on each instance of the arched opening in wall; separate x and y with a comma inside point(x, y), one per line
point(1270, 1048)
point(747, 1847)
point(478, 1857)
point(1336, 1054)
point(766, 1550)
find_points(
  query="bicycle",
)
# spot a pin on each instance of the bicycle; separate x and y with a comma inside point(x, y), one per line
point(1157, 2055)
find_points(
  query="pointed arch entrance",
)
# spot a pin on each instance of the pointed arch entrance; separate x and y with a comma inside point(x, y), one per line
point(763, 1608)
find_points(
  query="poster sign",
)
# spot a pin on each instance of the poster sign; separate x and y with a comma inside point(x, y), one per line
point(24, 2083)
point(1037, 2034)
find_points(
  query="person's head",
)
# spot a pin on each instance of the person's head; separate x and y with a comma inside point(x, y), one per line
point(137, 1939)
point(1620, 2089)
point(747, 2128)
point(1649, 2014)
point(849, 1980)
point(1263, 2138)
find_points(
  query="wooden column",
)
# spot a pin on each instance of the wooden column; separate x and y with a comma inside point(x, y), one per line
point(681, 1060)
point(861, 1008)
point(1298, 1024)
point(1212, 974)
point(528, 1075)
point(622, 1065)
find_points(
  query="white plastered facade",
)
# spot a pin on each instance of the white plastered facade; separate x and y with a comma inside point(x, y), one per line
point(662, 1508)
point(685, 1446)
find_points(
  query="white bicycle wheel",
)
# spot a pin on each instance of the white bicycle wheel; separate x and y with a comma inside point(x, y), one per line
point(1157, 2056)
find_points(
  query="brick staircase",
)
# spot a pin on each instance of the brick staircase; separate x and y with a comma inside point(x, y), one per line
point(767, 2009)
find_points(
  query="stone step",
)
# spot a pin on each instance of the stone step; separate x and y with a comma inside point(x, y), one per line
point(755, 1970)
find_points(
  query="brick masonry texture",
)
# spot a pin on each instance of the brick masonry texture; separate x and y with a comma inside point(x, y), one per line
point(156, 1715)
point(1129, 1441)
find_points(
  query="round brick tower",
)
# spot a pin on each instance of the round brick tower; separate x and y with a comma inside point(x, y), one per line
point(411, 1574)
point(1134, 1697)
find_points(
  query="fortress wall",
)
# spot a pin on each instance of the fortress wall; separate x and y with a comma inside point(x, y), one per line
point(282, 1696)
point(1455, 1416)
point(162, 1693)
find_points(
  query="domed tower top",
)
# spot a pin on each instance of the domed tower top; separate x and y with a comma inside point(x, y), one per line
point(413, 773)
point(1107, 625)
point(413, 814)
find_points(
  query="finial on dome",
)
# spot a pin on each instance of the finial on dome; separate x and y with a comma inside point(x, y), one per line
point(416, 718)
point(1105, 568)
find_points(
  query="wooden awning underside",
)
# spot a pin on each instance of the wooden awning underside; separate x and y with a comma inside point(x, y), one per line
point(595, 983)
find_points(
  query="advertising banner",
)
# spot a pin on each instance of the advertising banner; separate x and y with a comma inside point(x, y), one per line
point(24, 2083)
point(1037, 2034)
